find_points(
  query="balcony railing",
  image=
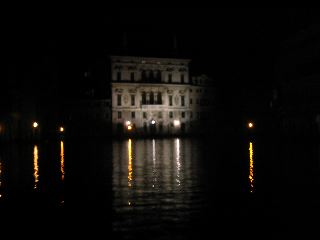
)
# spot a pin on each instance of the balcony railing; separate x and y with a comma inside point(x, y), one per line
point(152, 106)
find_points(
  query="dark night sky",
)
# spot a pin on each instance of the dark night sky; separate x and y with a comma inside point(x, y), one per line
point(232, 45)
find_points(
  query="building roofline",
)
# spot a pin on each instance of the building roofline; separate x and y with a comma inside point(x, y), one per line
point(150, 58)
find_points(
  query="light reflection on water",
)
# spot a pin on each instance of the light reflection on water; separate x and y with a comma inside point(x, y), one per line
point(251, 167)
point(178, 161)
point(154, 170)
point(149, 186)
point(35, 166)
point(62, 160)
point(129, 167)
point(155, 179)
point(129, 163)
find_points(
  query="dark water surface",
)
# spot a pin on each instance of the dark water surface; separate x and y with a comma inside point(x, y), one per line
point(175, 188)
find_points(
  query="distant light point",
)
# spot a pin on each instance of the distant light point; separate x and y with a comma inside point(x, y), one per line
point(35, 125)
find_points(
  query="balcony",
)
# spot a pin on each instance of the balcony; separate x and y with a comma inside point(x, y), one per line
point(153, 106)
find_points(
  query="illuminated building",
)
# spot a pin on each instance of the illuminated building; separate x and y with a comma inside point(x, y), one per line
point(157, 96)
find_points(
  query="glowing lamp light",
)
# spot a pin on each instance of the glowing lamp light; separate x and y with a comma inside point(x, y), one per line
point(35, 124)
point(176, 123)
point(250, 125)
point(128, 123)
point(129, 128)
point(153, 122)
point(61, 129)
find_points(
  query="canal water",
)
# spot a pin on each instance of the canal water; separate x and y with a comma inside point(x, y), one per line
point(174, 188)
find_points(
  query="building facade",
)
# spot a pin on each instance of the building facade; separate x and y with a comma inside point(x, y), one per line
point(154, 96)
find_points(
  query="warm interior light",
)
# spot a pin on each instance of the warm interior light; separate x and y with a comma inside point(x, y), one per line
point(35, 124)
point(250, 125)
point(61, 129)
point(129, 127)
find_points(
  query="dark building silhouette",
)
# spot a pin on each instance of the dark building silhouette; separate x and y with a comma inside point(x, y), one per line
point(296, 95)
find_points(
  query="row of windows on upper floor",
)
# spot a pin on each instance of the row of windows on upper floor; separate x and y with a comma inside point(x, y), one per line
point(151, 99)
point(156, 99)
point(151, 77)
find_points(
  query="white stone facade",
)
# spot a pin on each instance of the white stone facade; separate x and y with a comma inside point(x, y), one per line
point(153, 95)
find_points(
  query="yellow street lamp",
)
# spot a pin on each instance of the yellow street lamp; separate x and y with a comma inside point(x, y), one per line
point(250, 125)
point(35, 124)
